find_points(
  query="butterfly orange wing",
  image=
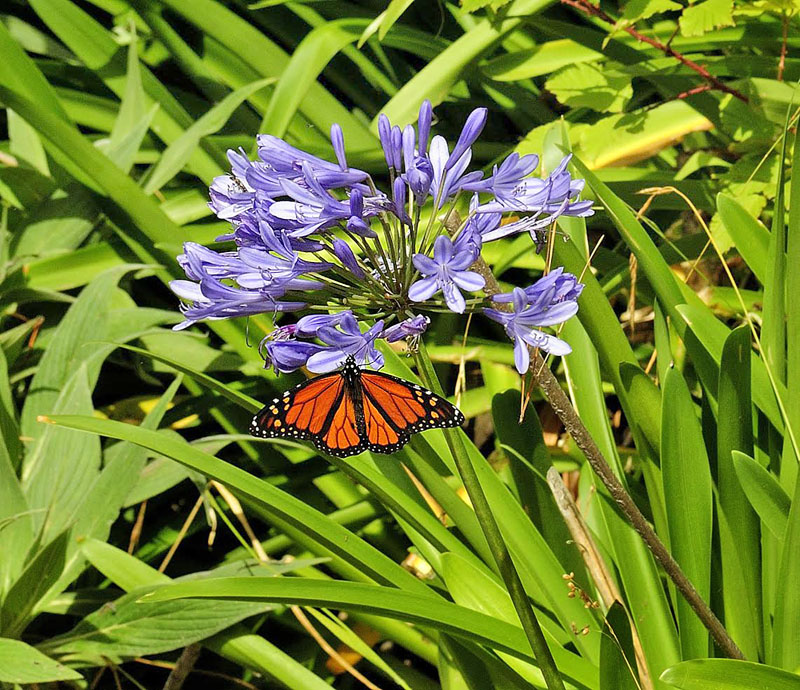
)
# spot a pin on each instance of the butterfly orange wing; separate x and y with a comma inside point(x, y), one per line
point(394, 409)
point(331, 412)
point(319, 410)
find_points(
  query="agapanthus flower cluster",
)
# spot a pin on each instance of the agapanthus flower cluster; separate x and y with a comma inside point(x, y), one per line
point(355, 264)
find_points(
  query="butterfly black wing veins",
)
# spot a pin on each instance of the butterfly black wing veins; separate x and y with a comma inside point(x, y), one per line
point(284, 417)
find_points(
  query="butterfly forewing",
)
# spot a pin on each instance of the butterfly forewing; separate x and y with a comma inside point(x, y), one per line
point(301, 413)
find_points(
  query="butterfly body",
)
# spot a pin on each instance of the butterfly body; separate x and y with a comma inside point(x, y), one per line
point(353, 410)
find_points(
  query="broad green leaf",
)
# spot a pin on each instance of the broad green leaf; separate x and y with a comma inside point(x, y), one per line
point(19, 72)
point(75, 341)
point(617, 659)
point(541, 59)
point(124, 152)
point(142, 210)
point(435, 79)
point(786, 632)
point(704, 16)
point(57, 225)
point(25, 144)
point(740, 538)
point(385, 20)
point(96, 48)
point(538, 567)
point(61, 465)
point(73, 269)
point(100, 503)
point(644, 9)
point(687, 494)
point(315, 51)
point(764, 492)
point(257, 51)
point(458, 621)
point(39, 574)
point(321, 534)
point(586, 86)
point(392, 487)
point(21, 663)
point(640, 577)
point(128, 628)
point(631, 137)
point(236, 644)
point(16, 530)
point(33, 40)
point(529, 461)
point(178, 153)
point(749, 236)
point(728, 674)
point(133, 119)
point(681, 303)
point(642, 405)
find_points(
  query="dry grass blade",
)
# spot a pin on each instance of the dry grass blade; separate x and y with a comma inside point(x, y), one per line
point(595, 564)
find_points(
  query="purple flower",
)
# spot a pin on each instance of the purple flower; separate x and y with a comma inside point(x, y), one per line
point(347, 340)
point(505, 180)
point(547, 302)
point(471, 131)
point(337, 139)
point(286, 356)
point(284, 161)
point(347, 257)
point(385, 135)
point(424, 125)
point(410, 328)
point(211, 299)
point(288, 205)
point(547, 199)
point(308, 326)
point(446, 180)
point(399, 201)
point(553, 288)
point(356, 223)
point(446, 271)
point(313, 209)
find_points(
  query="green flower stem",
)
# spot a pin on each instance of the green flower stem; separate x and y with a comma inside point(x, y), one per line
point(491, 530)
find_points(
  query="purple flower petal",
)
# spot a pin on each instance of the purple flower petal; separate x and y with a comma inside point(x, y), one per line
point(522, 358)
point(469, 280)
point(327, 360)
point(453, 298)
point(337, 139)
point(410, 328)
point(471, 131)
point(424, 125)
point(423, 289)
point(345, 254)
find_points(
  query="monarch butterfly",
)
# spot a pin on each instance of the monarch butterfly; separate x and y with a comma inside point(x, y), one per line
point(353, 410)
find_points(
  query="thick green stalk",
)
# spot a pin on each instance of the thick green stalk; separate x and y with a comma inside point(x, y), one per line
point(494, 538)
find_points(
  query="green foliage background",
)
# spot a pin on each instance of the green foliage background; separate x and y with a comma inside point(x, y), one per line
point(116, 117)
